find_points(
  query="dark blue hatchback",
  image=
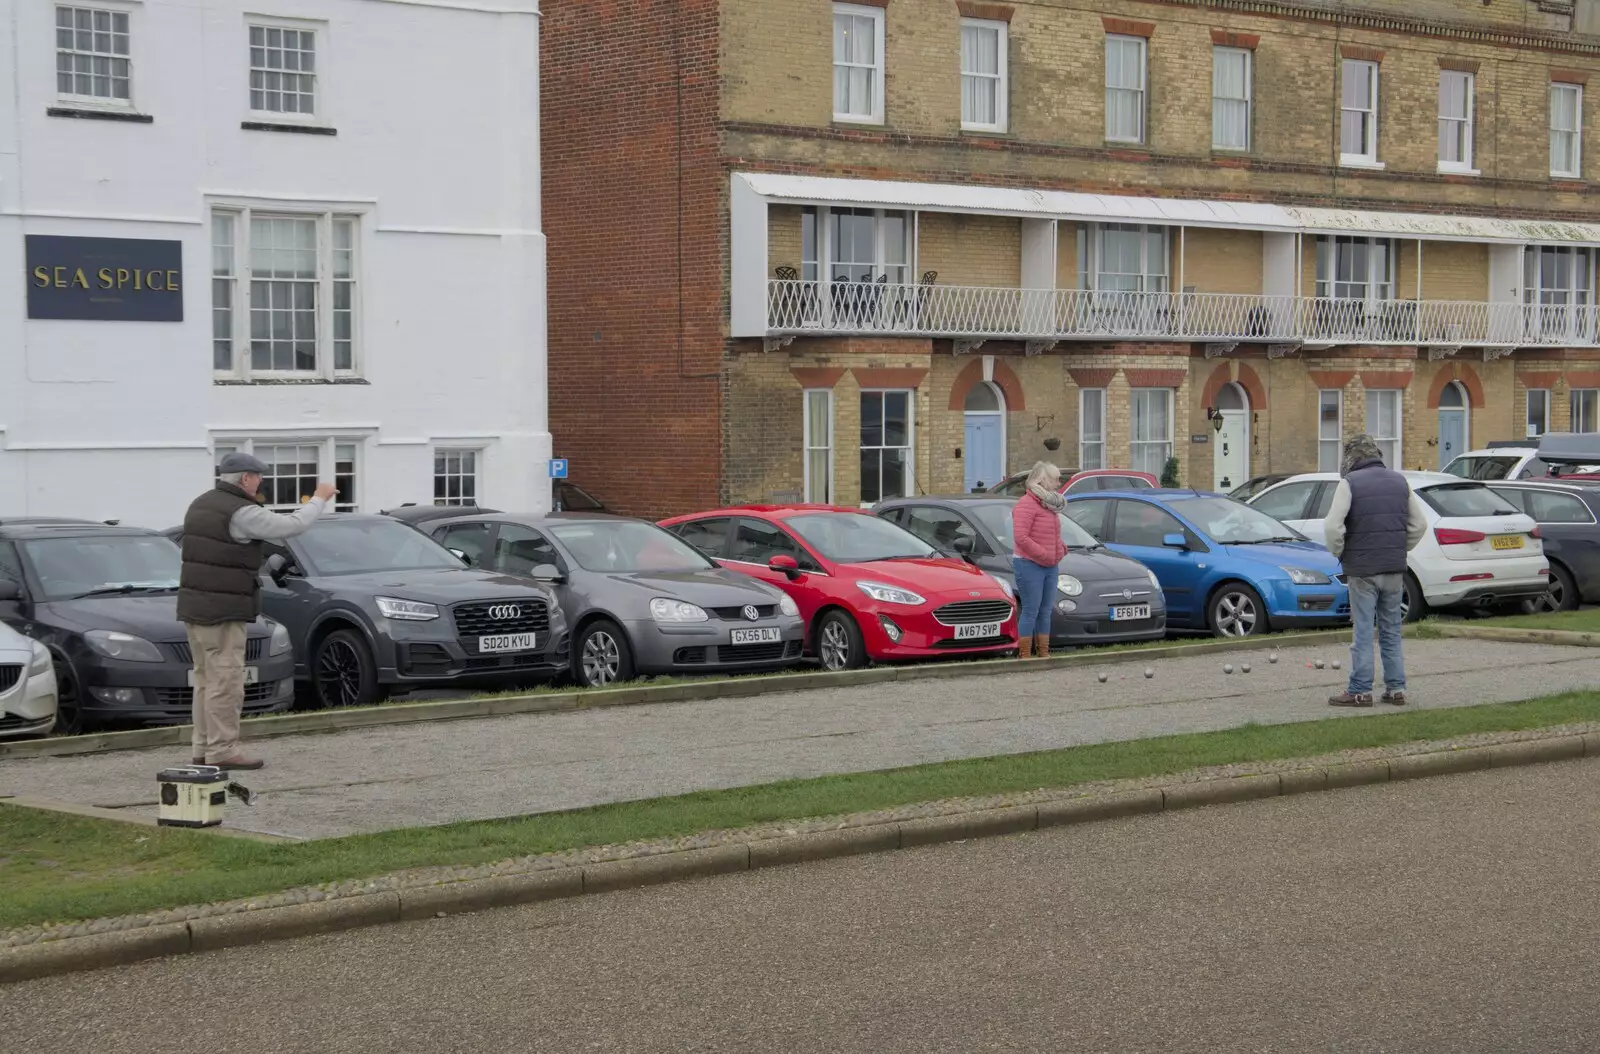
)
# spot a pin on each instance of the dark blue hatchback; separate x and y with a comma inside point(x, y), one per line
point(1223, 566)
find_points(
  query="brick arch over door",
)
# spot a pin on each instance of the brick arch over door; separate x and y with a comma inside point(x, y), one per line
point(1457, 371)
point(1004, 378)
point(1247, 379)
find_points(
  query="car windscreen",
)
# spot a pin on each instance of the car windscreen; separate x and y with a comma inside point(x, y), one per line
point(1229, 522)
point(620, 547)
point(852, 538)
point(1480, 467)
point(997, 517)
point(103, 564)
point(355, 547)
point(1465, 499)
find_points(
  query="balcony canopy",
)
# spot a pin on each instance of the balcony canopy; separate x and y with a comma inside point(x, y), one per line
point(1116, 208)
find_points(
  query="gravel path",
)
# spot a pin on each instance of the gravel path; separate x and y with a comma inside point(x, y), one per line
point(373, 779)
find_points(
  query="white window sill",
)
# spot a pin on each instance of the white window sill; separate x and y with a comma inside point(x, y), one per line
point(1570, 177)
point(1229, 151)
point(1448, 169)
point(1346, 161)
point(272, 117)
point(1113, 141)
point(850, 118)
point(94, 102)
point(987, 129)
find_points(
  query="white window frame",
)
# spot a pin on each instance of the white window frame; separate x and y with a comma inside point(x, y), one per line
point(1218, 53)
point(327, 457)
point(1337, 439)
point(92, 102)
point(810, 445)
point(875, 14)
point(910, 446)
point(1142, 90)
point(1368, 156)
point(1576, 397)
point(1383, 441)
point(1085, 440)
point(1464, 125)
point(1001, 80)
point(1527, 412)
point(319, 98)
point(240, 279)
point(1379, 279)
point(1575, 154)
point(1135, 443)
point(448, 450)
point(1151, 279)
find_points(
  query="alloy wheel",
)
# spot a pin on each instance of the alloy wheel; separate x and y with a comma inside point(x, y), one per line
point(339, 674)
point(1236, 615)
point(69, 706)
point(602, 659)
point(834, 648)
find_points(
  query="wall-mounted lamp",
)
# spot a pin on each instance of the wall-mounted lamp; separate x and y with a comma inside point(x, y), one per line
point(1215, 417)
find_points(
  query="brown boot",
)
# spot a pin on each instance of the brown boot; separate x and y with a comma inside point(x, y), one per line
point(1025, 648)
point(1041, 645)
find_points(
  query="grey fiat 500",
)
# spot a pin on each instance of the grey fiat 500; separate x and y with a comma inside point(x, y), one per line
point(1102, 597)
point(639, 599)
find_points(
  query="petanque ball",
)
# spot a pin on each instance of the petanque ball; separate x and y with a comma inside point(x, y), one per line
point(1149, 672)
point(1320, 664)
point(1102, 678)
point(1227, 667)
point(1335, 664)
point(1273, 658)
point(1245, 668)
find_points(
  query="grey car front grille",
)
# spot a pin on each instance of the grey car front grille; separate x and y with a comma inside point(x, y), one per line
point(966, 612)
point(10, 674)
point(480, 618)
point(252, 650)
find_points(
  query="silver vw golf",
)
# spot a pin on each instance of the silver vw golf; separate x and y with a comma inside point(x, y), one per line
point(638, 599)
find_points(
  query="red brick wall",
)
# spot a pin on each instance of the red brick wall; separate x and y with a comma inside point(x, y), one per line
point(634, 213)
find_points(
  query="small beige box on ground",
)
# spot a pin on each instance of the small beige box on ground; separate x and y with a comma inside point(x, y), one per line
point(192, 796)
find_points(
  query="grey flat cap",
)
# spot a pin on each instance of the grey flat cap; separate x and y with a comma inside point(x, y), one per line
point(240, 462)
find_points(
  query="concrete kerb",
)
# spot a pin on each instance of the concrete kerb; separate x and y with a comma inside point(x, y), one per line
point(276, 725)
point(250, 926)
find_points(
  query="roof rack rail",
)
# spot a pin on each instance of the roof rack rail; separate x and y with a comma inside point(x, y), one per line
point(1502, 444)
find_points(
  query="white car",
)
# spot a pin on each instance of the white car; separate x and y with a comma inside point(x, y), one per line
point(27, 685)
point(1480, 550)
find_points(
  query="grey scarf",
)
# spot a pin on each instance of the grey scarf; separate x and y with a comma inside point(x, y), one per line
point(1048, 498)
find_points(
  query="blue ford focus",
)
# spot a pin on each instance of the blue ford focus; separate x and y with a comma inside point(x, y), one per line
point(1223, 566)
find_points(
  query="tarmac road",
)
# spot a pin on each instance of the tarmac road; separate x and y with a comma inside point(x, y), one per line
point(1452, 915)
point(319, 786)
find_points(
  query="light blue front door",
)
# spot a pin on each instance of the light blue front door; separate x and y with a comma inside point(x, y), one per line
point(1452, 435)
point(985, 451)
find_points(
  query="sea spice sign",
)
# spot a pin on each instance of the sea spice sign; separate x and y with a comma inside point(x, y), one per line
point(104, 279)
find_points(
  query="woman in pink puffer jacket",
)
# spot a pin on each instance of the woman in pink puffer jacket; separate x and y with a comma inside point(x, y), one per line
point(1036, 554)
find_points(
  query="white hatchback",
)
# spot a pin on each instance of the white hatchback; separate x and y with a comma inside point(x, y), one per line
point(1480, 550)
point(27, 685)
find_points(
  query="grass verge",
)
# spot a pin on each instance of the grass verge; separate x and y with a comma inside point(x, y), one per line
point(57, 868)
point(1582, 621)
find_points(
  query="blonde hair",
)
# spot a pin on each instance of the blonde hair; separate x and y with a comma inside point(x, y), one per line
point(1045, 475)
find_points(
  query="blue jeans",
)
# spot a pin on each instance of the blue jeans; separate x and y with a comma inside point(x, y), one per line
point(1036, 593)
point(1376, 599)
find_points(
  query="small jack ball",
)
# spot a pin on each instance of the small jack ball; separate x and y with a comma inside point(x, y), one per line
point(1227, 667)
point(1245, 668)
point(1102, 678)
point(1148, 672)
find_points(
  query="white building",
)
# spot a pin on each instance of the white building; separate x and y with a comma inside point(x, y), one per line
point(328, 252)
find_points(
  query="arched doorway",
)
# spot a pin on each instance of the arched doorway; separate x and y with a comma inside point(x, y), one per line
point(1454, 428)
point(1231, 455)
point(985, 446)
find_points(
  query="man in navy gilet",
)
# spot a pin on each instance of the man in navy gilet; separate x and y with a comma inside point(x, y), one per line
point(1375, 520)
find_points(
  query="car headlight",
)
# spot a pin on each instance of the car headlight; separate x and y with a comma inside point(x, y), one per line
point(663, 609)
point(281, 644)
point(1069, 585)
point(114, 645)
point(406, 610)
point(787, 605)
point(885, 594)
point(1003, 584)
point(41, 660)
point(1302, 577)
point(1153, 579)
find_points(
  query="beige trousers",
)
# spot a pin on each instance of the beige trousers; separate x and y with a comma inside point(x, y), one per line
point(218, 688)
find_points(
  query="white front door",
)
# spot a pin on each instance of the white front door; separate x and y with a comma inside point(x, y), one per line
point(1231, 455)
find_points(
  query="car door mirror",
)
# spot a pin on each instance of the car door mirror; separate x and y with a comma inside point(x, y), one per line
point(9, 590)
point(279, 567)
point(549, 573)
point(1175, 541)
point(785, 565)
point(462, 556)
point(962, 545)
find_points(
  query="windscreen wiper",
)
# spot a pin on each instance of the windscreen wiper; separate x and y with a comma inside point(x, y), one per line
point(123, 590)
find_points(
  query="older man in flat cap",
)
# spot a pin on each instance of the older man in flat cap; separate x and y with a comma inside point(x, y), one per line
point(1374, 521)
point(219, 595)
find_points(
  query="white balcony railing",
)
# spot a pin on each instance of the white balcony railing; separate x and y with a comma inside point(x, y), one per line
point(985, 312)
